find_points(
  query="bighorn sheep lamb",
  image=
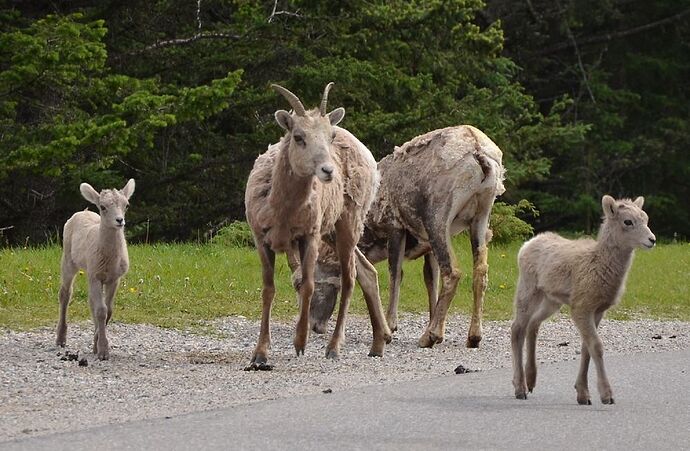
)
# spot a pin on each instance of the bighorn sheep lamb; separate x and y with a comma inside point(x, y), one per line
point(95, 243)
point(317, 183)
point(589, 276)
point(432, 187)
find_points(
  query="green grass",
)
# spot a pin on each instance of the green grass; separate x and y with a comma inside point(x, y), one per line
point(184, 285)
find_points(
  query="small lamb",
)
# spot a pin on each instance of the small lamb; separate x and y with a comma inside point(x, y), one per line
point(589, 276)
point(95, 243)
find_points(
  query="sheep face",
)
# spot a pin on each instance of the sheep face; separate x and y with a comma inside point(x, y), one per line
point(311, 134)
point(630, 221)
point(309, 151)
point(112, 204)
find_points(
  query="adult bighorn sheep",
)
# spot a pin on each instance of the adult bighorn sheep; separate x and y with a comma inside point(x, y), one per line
point(432, 187)
point(586, 274)
point(316, 184)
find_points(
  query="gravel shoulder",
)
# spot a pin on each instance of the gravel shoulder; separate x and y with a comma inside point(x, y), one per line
point(156, 372)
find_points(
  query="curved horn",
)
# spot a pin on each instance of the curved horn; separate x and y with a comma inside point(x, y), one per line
point(294, 101)
point(324, 99)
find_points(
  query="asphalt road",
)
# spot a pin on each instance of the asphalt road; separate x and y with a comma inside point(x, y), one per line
point(469, 411)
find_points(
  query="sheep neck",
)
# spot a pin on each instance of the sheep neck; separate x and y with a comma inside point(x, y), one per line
point(614, 259)
point(290, 192)
point(111, 241)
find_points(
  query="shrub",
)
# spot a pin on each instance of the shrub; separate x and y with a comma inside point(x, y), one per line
point(235, 234)
point(507, 226)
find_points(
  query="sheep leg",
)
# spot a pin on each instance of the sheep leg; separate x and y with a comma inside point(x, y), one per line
point(581, 384)
point(267, 257)
point(449, 282)
point(67, 282)
point(480, 278)
point(396, 254)
point(345, 246)
point(368, 280)
point(545, 310)
point(586, 324)
point(431, 279)
point(99, 313)
point(308, 248)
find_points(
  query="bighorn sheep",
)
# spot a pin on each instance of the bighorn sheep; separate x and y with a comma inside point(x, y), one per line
point(589, 276)
point(95, 243)
point(432, 187)
point(317, 183)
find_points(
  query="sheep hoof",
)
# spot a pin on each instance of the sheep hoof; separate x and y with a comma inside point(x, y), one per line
point(521, 395)
point(584, 402)
point(473, 341)
point(607, 401)
point(260, 366)
point(427, 340)
point(103, 356)
point(299, 351)
point(332, 354)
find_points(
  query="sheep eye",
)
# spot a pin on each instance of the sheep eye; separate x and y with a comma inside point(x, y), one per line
point(628, 222)
point(103, 209)
point(299, 139)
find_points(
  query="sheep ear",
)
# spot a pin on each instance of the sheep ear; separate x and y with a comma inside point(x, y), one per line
point(639, 201)
point(608, 204)
point(284, 119)
point(336, 115)
point(128, 190)
point(89, 193)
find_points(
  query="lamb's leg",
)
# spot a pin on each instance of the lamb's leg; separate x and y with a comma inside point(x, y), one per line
point(67, 281)
point(431, 278)
point(345, 247)
point(110, 290)
point(525, 304)
point(396, 254)
point(480, 278)
point(267, 257)
point(99, 313)
point(367, 277)
point(581, 384)
point(308, 248)
point(586, 324)
point(546, 309)
point(440, 244)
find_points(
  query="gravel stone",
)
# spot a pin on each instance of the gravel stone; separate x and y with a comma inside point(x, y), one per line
point(154, 372)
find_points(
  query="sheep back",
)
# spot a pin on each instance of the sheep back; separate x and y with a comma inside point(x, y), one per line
point(433, 166)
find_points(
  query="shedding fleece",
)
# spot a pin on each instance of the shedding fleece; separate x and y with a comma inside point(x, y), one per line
point(315, 185)
point(432, 187)
point(323, 205)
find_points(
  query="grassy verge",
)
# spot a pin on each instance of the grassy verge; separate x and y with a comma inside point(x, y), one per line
point(183, 285)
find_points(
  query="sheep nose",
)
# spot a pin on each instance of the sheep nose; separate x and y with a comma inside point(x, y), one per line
point(327, 170)
point(652, 240)
point(120, 221)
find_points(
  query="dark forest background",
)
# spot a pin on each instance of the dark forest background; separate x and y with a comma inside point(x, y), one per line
point(585, 97)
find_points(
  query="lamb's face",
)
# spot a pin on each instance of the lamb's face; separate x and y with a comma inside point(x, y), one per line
point(631, 221)
point(112, 206)
point(112, 203)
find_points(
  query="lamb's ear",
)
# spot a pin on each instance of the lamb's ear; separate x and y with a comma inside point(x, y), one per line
point(128, 190)
point(336, 115)
point(639, 201)
point(284, 119)
point(608, 204)
point(89, 193)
